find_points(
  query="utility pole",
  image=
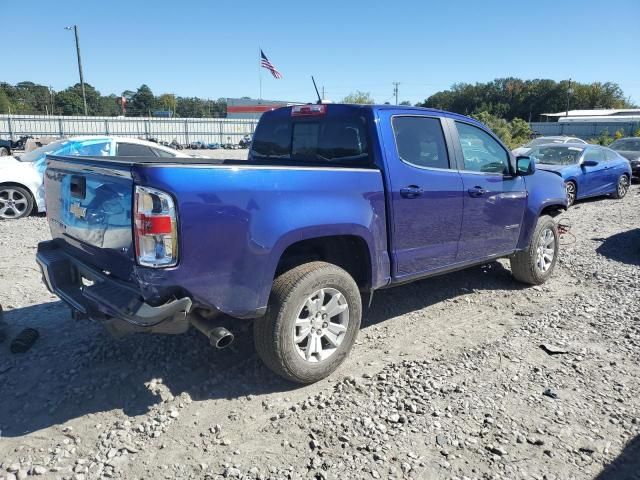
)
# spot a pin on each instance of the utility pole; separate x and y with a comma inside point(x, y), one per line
point(569, 92)
point(323, 92)
point(84, 96)
point(395, 90)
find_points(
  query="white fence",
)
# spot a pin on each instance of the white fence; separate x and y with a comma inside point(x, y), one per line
point(184, 130)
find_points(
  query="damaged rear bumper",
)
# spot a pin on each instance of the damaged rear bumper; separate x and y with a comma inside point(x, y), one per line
point(92, 293)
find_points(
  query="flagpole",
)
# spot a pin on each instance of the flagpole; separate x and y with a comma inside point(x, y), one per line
point(260, 71)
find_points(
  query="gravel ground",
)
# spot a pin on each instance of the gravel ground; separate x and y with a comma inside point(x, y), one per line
point(465, 376)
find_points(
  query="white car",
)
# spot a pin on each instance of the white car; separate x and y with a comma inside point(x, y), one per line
point(21, 178)
point(524, 149)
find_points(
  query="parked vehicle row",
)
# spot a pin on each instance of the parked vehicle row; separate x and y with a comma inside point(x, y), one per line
point(523, 150)
point(334, 202)
point(21, 177)
point(8, 147)
point(587, 170)
point(630, 149)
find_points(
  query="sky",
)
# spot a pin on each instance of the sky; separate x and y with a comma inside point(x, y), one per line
point(210, 48)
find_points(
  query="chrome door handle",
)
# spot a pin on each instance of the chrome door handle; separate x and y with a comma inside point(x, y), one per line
point(412, 191)
point(476, 191)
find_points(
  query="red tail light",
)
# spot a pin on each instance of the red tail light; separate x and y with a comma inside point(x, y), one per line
point(154, 225)
point(155, 228)
point(308, 110)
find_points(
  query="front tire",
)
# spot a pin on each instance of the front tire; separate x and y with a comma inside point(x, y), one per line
point(535, 264)
point(622, 187)
point(572, 191)
point(312, 321)
point(4, 151)
point(15, 202)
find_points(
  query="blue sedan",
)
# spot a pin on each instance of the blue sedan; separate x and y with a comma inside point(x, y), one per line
point(587, 170)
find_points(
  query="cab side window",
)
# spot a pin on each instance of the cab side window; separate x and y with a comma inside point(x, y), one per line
point(134, 150)
point(420, 142)
point(594, 155)
point(481, 152)
point(162, 153)
point(610, 155)
point(91, 149)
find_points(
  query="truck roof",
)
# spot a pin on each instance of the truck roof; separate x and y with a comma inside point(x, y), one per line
point(399, 108)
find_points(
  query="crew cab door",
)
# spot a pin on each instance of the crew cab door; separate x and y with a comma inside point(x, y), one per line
point(425, 190)
point(494, 198)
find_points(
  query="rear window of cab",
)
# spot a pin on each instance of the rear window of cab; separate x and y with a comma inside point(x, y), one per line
point(335, 140)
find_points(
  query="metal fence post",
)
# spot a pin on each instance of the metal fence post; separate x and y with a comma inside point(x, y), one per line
point(220, 132)
point(186, 132)
point(60, 127)
point(106, 126)
point(10, 129)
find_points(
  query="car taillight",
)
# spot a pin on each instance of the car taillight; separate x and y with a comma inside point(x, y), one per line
point(308, 110)
point(155, 228)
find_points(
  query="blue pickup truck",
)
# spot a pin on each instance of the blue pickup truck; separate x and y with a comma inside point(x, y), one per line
point(333, 203)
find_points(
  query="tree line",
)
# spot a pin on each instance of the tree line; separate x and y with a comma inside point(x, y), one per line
point(28, 98)
point(507, 98)
point(511, 98)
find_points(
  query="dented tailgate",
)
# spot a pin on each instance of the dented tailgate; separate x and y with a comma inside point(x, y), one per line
point(89, 204)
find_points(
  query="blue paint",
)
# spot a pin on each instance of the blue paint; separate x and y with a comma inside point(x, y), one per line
point(236, 220)
point(600, 178)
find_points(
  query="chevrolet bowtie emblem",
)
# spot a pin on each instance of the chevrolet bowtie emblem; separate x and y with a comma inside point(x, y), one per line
point(77, 210)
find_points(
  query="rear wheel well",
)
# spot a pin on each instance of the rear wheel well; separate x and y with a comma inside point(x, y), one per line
point(346, 251)
point(552, 210)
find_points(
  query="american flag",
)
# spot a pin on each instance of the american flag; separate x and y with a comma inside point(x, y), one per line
point(265, 63)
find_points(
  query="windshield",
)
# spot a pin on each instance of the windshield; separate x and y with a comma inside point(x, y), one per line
point(323, 139)
point(34, 155)
point(626, 144)
point(542, 141)
point(556, 155)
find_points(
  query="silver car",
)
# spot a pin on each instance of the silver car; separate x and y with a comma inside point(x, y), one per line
point(524, 149)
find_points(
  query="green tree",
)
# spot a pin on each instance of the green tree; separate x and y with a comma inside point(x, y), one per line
point(167, 101)
point(142, 102)
point(511, 98)
point(5, 104)
point(513, 133)
point(405, 103)
point(359, 97)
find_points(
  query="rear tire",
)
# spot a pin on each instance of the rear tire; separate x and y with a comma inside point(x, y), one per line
point(622, 187)
point(4, 151)
point(306, 335)
point(15, 202)
point(535, 265)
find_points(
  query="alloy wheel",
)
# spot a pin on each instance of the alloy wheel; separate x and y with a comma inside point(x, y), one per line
point(13, 204)
point(571, 193)
point(321, 325)
point(546, 250)
point(623, 186)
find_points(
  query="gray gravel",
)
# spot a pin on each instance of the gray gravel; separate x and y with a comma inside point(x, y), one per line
point(447, 380)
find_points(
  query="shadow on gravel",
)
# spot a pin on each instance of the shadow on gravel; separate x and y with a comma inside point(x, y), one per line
point(622, 247)
point(76, 369)
point(626, 466)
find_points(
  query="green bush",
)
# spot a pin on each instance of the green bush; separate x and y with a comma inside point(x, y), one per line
point(637, 133)
point(604, 138)
point(513, 133)
point(618, 135)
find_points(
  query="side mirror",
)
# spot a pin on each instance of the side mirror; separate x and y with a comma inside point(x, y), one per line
point(589, 163)
point(525, 166)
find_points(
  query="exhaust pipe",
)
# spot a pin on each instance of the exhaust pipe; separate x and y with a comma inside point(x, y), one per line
point(218, 336)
